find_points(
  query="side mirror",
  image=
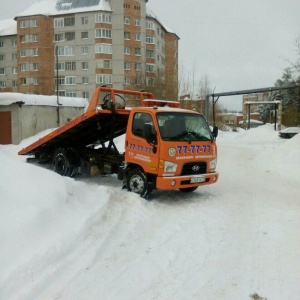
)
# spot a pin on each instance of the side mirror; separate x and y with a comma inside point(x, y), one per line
point(150, 134)
point(215, 131)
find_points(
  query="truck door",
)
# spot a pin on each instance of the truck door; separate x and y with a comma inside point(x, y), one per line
point(138, 149)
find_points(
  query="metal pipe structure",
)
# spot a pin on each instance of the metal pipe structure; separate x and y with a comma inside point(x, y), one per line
point(243, 92)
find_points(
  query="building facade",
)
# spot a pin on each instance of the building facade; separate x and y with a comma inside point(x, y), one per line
point(72, 48)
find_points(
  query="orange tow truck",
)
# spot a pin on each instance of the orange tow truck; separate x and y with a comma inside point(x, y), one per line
point(165, 147)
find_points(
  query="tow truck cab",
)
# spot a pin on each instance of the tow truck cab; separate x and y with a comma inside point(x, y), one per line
point(174, 148)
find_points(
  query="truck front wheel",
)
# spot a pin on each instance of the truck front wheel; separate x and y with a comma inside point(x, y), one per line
point(137, 182)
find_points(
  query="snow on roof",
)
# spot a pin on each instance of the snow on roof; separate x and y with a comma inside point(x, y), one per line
point(8, 27)
point(291, 130)
point(252, 121)
point(151, 14)
point(30, 99)
point(57, 7)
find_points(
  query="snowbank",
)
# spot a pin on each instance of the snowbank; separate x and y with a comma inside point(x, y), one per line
point(86, 238)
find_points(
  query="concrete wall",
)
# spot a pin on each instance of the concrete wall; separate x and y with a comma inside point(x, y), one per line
point(29, 120)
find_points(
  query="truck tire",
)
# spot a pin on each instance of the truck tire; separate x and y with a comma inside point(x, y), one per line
point(61, 163)
point(189, 189)
point(137, 182)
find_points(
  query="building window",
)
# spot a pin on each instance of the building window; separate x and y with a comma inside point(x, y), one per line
point(14, 70)
point(126, 65)
point(23, 53)
point(23, 67)
point(23, 38)
point(137, 22)
point(138, 81)
point(59, 37)
point(103, 33)
point(35, 38)
point(23, 81)
point(58, 22)
point(85, 66)
point(138, 66)
point(103, 48)
point(103, 79)
point(71, 94)
point(14, 56)
point(66, 51)
point(127, 35)
point(85, 80)
point(149, 25)
point(70, 80)
point(103, 18)
point(103, 64)
point(24, 24)
point(14, 83)
point(2, 57)
point(35, 23)
point(35, 52)
point(14, 42)
point(150, 81)
point(84, 50)
point(70, 21)
point(70, 36)
point(149, 67)
point(127, 50)
point(149, 53)
point(127, 20)
point(126, 80)
point(2, 71)
point(60, 66)
point(70, 65)
point(35, 66)
point(137, 36)
point(84, 20)
point(2, 84)
point(60, 80)
point(149, 39)
point(1, 43)
point(137, 51)
point(84, 35)
point(35, 81)
point(85, 95)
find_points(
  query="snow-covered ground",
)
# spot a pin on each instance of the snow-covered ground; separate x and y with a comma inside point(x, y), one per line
point(86, 238)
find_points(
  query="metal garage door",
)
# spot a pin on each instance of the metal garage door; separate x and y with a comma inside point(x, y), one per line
point(5, 127)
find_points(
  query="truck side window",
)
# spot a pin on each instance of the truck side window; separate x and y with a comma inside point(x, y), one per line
point(139, 120)
point(138, 127)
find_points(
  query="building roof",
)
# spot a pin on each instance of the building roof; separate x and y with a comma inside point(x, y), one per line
point(59, 7)
point(30, 99)
point(8, 27)
point(151, 14)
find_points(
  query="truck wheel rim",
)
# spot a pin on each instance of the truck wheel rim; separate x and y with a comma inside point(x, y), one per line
point(137, 184)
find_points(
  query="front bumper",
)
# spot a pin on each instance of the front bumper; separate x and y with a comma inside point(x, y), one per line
point(181, 182)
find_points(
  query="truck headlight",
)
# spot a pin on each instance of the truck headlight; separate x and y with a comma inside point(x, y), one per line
point(213, 164)
point(170, 166)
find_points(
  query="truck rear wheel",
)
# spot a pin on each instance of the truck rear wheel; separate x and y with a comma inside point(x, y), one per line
point(137, 182)
point(61, 163)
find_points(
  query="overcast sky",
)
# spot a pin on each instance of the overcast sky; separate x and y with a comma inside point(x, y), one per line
point(236, 44)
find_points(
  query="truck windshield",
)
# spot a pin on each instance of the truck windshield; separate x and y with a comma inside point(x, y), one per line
point(175, 126)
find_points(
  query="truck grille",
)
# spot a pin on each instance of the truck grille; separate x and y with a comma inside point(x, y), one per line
point(193, 168)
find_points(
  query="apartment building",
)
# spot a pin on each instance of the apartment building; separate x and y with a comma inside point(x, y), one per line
point(8, 56)
point(77, 45)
